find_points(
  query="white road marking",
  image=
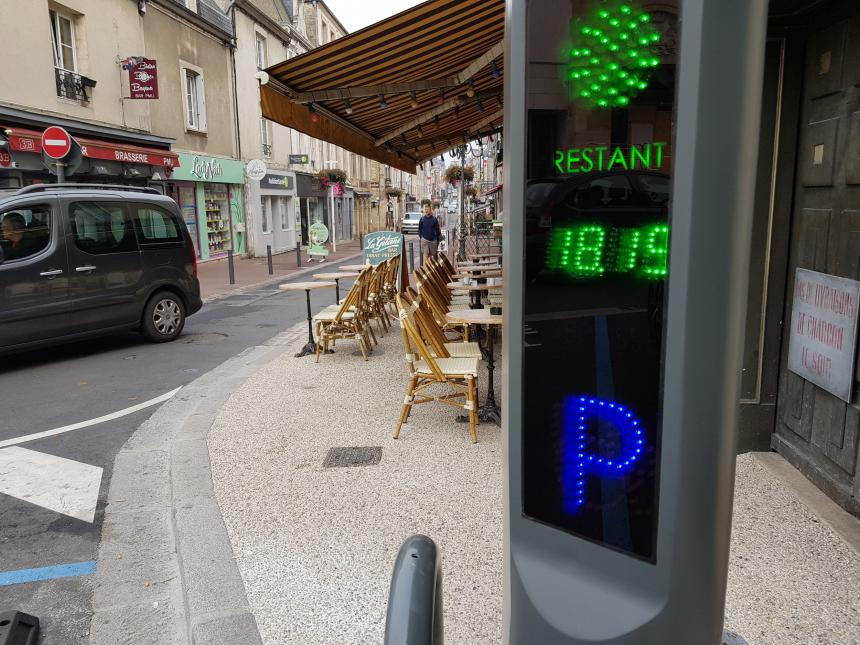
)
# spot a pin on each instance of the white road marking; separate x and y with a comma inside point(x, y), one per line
point(62, 485)
point(84, 424)
point(55, 142)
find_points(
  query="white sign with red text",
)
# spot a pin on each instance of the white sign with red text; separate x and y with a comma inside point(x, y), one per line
point(823, 333)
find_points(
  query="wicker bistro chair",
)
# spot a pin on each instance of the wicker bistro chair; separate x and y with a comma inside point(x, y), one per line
point(460, 375)
point(375, 299)
point(438, 310)
point(389, 286)
point(344, 321)
point(435, 336)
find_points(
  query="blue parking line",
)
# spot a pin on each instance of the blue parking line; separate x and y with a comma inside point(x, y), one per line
point(47, 573)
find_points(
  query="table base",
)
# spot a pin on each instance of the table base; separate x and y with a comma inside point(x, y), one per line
point(307, 350)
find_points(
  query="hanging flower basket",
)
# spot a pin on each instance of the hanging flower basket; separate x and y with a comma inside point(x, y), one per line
point(393, 192)
point(470, 191)
point(334, 177)
point(454, 174)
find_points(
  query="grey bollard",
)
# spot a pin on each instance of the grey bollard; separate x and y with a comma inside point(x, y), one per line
point(361, 241)
point(411, 256)
point(269, 259)
point(414, 614)
point(230, 269)
point(18, 628)
point(299, 254)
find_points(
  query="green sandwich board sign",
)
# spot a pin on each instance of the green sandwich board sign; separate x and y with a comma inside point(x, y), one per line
point(318, 233)
point(380, 246)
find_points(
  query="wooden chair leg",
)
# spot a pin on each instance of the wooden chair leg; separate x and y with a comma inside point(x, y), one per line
point(407, 406)
point(319, 343)
point(473, 407)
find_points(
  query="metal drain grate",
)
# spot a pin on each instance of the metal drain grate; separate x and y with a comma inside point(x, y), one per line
point(353, 456)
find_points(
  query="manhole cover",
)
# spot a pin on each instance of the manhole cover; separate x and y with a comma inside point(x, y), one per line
point(353, 456)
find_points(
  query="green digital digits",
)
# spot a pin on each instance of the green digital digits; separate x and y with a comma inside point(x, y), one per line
point(591, 250)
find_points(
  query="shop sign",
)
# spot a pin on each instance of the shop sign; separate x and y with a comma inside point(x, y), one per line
point(277, 182)
point(256, 169)
point(318, 234)
point(298, 159)
point(823, 333)
point(5, 159)
point(142, 77)
point(381, 246)
point(209, 169)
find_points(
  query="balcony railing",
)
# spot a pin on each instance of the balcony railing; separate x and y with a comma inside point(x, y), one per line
point(267, 149)
point(72, 86)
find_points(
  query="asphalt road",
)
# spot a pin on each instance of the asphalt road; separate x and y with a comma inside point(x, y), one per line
point(51, 388)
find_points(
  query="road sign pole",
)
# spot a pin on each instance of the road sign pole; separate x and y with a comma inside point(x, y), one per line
point(61, 172)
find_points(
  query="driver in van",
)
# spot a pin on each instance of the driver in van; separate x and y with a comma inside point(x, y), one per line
point(16, 242)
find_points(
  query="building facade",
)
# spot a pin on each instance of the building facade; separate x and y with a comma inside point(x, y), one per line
point(145, 89)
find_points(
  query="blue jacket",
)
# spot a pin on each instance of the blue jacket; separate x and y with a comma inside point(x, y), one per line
point(428, 228)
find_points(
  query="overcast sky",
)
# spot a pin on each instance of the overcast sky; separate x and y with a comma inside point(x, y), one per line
point(354, 14)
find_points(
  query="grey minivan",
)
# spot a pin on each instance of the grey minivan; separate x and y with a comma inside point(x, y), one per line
point(79, 260)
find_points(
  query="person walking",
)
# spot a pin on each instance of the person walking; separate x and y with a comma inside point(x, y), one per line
point(429, 232)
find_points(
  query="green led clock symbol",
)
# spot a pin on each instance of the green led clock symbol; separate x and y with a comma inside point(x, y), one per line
point(613, 54)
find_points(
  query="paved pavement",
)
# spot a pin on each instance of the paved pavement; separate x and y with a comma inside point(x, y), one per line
point(315, 545)
point(254, 272)
point(43, 525)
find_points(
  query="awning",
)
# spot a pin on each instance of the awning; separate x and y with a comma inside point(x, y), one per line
point(26, 140)
point(494, 189)
point(400, 91)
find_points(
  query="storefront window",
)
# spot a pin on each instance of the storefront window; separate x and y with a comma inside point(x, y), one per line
point(597, 237)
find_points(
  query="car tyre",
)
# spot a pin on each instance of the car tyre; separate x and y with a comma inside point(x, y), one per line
point(163, 317)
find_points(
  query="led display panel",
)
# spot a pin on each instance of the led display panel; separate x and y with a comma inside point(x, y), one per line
point(599, 164)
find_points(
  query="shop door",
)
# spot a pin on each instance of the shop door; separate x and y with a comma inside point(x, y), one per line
point(815, 430)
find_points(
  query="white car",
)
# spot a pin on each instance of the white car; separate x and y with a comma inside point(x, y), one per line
point(410, 223)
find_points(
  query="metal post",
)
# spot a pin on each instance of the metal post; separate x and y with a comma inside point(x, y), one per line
point(361, 241)
point(269, 259)
point(461, 246)
point(333, 221)
point(299, 253)
point(230, 269)
point(61, 172)
point(411, 257)
point(415, 596)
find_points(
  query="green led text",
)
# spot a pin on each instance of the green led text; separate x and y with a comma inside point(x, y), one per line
point(592, 250)
point(648, 156)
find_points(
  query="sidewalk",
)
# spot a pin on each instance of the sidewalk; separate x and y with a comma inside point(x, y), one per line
point(315, 545)
point(251, 272)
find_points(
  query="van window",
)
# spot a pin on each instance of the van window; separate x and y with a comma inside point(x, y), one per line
point(610, 191)
point(24, 232)
point(156, 225)
point(101, 227)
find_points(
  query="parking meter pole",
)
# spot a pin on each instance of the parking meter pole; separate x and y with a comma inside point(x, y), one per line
point(230, 269)
point(269, 259)
point(591, 557)
point(415, 597)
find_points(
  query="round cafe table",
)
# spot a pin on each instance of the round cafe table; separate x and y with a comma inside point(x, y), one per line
point(481, 272)
point(311, 346)
point(490, 411)
point(336, 276)
point(354, 267)
point(475, 290)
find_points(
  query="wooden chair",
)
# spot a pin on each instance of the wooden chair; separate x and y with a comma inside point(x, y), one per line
point(460, 375)
point(430, 330)
point(344, 321)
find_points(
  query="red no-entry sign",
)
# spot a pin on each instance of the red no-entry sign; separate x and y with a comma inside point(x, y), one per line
point(56, 142)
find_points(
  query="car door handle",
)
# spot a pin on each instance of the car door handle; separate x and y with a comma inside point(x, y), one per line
point(52, 273)
point(85, 269)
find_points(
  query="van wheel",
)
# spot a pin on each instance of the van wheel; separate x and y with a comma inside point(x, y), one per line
point(163, 317)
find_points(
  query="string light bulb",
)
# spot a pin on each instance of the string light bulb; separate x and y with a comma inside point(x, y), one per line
point(314, 116)
point(470, 92)
point(441, 98)
point(347, 106)
point(414, 101)
point(382, 102)
point(495, 70)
